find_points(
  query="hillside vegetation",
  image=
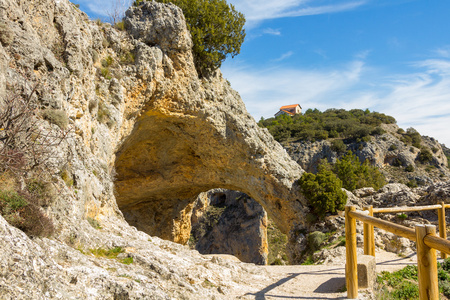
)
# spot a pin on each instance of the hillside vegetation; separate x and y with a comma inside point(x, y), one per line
point(333, 123)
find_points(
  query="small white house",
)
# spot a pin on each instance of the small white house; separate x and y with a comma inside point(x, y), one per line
point(290, 110)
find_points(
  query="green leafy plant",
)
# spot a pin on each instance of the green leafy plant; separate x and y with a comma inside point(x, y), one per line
point(403, 284)
point(409, 168)
point(277, 244)
point(315, 239)
point(120, 25)
point(217, 30)
point(425, 155)
point(323, 191)
point(21, 210)
point(355, 175)
point(67, 177)
point(402, 216)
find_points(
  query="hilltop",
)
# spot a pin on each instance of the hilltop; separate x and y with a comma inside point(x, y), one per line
point(404, 156)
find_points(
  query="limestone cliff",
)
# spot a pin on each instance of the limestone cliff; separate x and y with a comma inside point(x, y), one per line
point(146, 136)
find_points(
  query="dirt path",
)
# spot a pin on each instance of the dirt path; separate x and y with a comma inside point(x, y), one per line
point(321, 281)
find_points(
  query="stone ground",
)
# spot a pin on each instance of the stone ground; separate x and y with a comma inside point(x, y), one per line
point(320, 281)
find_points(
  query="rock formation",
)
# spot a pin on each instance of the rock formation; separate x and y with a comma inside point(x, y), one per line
point(192, 135)
point(385, 151)
point(230, 222)
point(145, 137)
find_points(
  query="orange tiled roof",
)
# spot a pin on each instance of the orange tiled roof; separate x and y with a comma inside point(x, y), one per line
point(286, 111)
point(289, 106)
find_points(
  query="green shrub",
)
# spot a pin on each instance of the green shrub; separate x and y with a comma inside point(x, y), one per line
point(108, 61)
point(21, 211)
point(11, 201)
point(393, 147)
point(402, 216)
point(105, 72)
point(425, 155)
point(66, 177)
point(323, 191)
point(315, 239)
point(412, 183)
point(57, 117)
point(127, 260)
point(409, 168)
point(338, 146)
point(111, 254)
point(120, 25)
point(355, 175)
point(333, 123)
point(217, 30)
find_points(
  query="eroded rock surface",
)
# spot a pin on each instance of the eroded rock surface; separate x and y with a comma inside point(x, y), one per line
point(138, 114)
point(193, 135)
point(230, 222)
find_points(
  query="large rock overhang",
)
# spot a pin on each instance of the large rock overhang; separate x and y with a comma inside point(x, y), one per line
point(193, 135)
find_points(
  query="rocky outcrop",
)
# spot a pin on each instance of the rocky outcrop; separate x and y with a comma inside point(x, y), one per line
point(146, 268)
point(145, 137)
point(398, 161)
point(193, 135)
point(230, 222)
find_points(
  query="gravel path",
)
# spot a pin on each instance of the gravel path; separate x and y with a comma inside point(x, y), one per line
point(321, 281)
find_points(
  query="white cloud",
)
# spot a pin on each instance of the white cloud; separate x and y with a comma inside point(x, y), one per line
point(420, 100)
point(271, 31)
point(284, 56)
point(443, 52)
point(256, 11)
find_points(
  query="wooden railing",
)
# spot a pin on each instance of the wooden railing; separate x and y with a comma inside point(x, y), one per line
point(369, 238)
point(424, 236)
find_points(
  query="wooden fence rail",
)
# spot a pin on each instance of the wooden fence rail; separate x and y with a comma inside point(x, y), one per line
point(424, 235)
point(369, 238)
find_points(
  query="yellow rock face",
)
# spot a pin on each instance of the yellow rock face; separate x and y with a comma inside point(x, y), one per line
point(192, 135)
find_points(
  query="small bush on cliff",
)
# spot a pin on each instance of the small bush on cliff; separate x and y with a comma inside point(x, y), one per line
point(323, 191)
point(217, 30)
point(355, 175)
point(425, 155)
point(21, 209)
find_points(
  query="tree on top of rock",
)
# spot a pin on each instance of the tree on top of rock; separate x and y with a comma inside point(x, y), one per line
point(217, 30)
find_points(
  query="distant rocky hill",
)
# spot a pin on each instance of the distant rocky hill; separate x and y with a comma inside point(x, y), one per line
point(403, 156)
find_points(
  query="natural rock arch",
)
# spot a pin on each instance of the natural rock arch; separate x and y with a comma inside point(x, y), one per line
point(193, 135)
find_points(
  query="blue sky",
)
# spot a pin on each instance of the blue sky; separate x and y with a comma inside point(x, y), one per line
point(391, 56)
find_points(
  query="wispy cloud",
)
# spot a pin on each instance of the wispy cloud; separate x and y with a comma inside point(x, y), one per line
point(419, 99)
point(271, 31)
point(284, 56)
point(257, 11)
point(443, 52)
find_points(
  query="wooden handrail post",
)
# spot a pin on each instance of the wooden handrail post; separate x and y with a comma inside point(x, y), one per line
point(369, 237)
point(427, 264)
point(351, 266)
point(442, 226)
